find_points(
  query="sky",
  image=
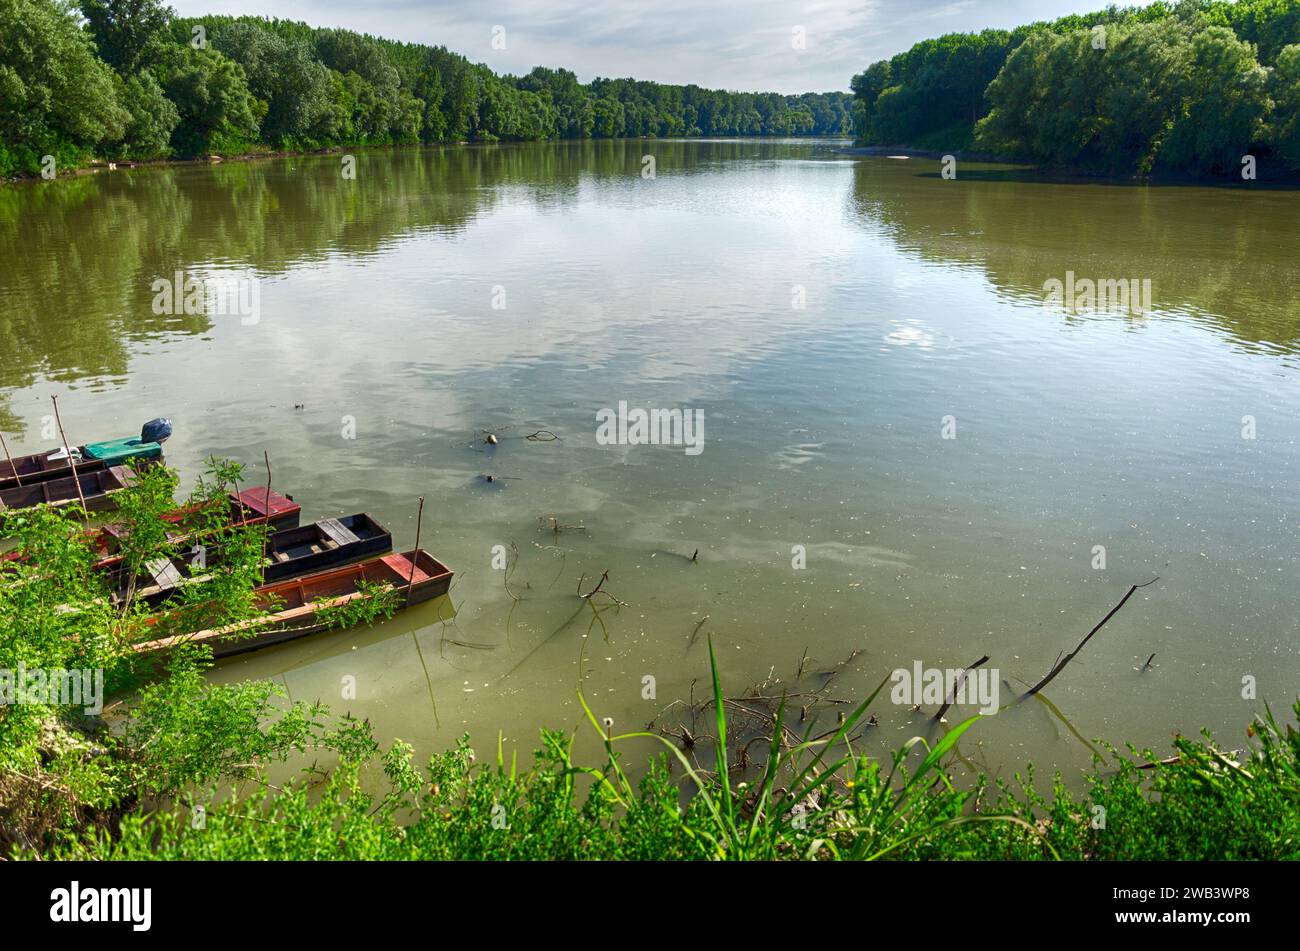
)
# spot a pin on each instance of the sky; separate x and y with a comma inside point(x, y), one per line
point(728, 44)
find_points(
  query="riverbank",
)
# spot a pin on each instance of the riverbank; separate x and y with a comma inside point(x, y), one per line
point(1267, 173)
point(910, 152)
point(1200, 804)
point(98, 165)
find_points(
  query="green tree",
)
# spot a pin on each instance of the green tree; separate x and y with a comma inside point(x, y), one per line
point(575, 116)
point(211, 94)
point(128, 33)
point(1071, 99)
point(56, 96)
point(608, 120)
point(282, 73)
point(153, 118)
point(1225, 106)
point(1284, 123)
point(382, 110)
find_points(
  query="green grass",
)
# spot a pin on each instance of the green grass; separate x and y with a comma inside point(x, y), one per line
point(812, 799)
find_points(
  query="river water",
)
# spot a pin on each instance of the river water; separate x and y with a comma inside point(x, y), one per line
point(904, 453)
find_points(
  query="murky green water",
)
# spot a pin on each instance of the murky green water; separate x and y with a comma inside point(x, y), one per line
point(826, 312)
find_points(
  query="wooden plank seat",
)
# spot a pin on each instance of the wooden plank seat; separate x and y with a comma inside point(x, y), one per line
point(338, 532)
point(164, 573)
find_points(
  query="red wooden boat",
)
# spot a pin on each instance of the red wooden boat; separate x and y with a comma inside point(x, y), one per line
point(416, 576)
point(249, 507)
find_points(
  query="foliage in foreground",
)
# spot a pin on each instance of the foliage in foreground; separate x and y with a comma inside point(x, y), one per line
point(1201, 804)
point(63, 772)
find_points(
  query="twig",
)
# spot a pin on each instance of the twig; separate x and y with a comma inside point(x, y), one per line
point(597, 590)
point(557, 526)
point(604, 576)
point(695, 633)
point(509, 570)
point(1060, 665)
point(961, 679)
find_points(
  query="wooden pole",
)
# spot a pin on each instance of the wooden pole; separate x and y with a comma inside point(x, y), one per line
point(266, 526)
point(243, 510)
point(415, 555)
point(76, 479)
point(10, 459)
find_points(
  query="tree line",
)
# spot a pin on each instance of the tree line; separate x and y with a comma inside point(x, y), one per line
point(128, 80)
point(1190, 88)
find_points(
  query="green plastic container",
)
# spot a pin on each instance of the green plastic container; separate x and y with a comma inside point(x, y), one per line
point(117, 451)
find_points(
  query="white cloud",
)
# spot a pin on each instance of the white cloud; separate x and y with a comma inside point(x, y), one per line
point(729, 44)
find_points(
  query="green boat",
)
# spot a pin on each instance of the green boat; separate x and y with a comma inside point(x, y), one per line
point(45, 466)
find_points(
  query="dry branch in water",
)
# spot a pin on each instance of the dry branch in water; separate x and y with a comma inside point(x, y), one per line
point(957, 686)
point(557, 526)
point(1060, 664)
point(604, 576)
point(695, 633)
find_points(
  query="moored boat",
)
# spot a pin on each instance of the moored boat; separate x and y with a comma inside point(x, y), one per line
point(290, 553)
point(301, 603)
point(249, 507)
point(97, 488)
point(324, 544)
point(92, 457)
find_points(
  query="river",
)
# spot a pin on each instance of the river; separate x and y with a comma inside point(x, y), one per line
point(905, 455)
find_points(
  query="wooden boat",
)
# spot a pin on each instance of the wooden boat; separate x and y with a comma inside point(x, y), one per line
point(415, 575)
point(328, 543)
point(290, 553)
point(97, 487)
point(249, 507)
point(92, 457)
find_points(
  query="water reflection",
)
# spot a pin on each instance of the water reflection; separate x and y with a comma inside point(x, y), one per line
point(1224, 257)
